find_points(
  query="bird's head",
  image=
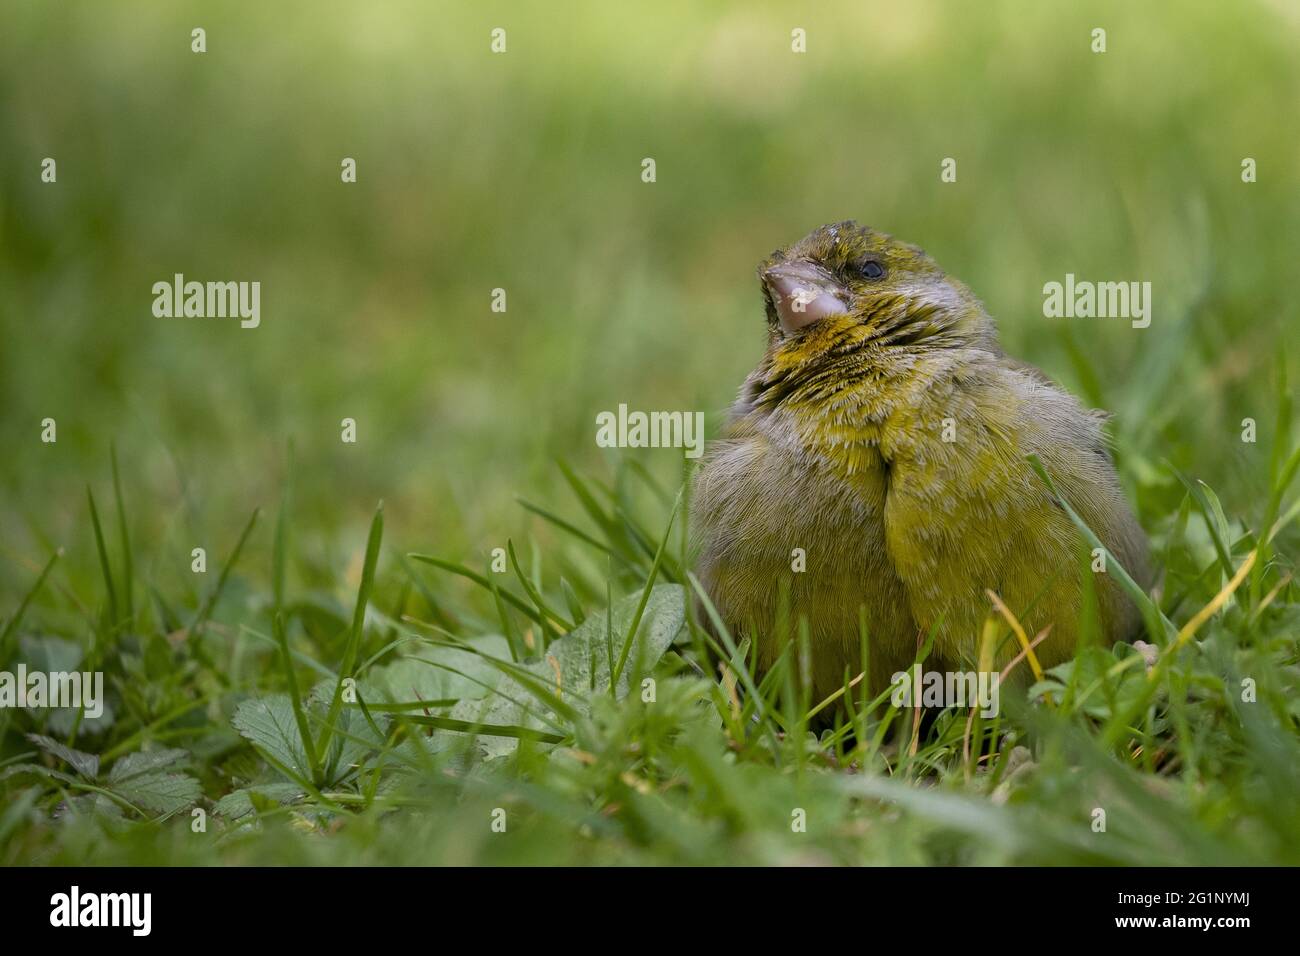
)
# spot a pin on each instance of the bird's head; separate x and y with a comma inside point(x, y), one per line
point(844, 288)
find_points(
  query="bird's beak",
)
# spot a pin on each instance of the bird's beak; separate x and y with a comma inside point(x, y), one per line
point(803, 293)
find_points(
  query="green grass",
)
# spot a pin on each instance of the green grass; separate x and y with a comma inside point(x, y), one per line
point(508, 706)
point(229, 689)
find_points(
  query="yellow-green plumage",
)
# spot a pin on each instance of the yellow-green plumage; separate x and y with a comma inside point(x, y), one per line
point(886, 435)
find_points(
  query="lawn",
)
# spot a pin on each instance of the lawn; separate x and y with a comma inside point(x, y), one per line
point(468, 635)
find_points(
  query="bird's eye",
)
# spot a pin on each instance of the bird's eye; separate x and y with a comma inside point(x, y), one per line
point(870, 269)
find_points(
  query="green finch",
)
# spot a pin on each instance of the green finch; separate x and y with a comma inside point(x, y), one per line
point(874, 469)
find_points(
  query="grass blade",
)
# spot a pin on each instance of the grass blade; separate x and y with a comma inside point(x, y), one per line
point(358, 625)
point(563, 525)
point(103, 559)
point(543, 609)
point(645, 594)
point(11, 626)
point(1158, 626)
point(490, 730)
point(295, 697)
point(464, 572)
point(206, 610)
point(128, 570)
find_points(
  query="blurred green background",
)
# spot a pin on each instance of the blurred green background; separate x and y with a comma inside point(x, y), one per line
point(522, 171)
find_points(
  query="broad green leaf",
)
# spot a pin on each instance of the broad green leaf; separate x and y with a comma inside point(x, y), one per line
point(239, 803)
point(577, 651)
point(55, 655)
point(85, 764)
point(99, 807)
point(269, 723)
point(514, 705)
point(36, 770)
point(142, 762)
point(438, 672)
point(49, 654)
point(161, 792)
point(353, 737)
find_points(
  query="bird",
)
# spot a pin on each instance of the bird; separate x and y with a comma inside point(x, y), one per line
point(874, 477)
